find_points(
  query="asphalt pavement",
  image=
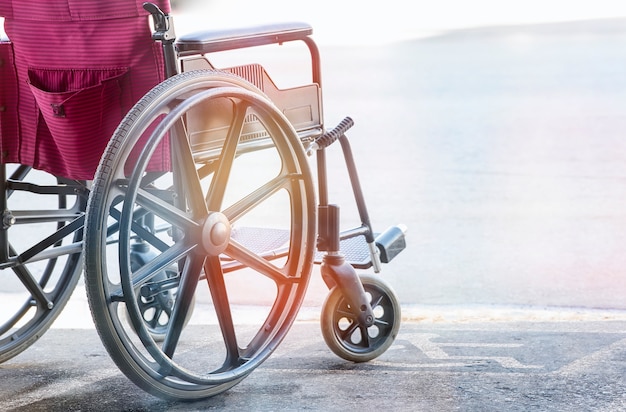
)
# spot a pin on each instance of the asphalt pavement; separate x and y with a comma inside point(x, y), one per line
point(432, 366)
point(445, 358)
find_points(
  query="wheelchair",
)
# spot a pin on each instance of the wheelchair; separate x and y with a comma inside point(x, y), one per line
point(205, 193)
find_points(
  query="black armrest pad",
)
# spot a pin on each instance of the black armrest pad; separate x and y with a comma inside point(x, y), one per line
point(230, 39)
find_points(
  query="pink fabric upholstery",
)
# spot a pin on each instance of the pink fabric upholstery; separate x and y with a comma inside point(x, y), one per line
point(72, 70)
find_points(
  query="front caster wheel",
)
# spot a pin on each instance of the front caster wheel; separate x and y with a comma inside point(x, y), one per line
point(342, 332)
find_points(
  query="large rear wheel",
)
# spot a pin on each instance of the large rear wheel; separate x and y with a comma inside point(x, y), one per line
point(209, 175)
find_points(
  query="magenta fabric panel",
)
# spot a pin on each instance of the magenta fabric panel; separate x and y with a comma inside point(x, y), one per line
point(9, 128)
point(6, 8)
point(66, 10)
point(80, 66)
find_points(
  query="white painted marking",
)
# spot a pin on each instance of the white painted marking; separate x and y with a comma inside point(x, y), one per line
point(435, 351)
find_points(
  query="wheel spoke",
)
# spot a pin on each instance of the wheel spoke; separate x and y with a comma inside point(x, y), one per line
point(215, 195)
point(186, 290)
point(187, 178)
point(33, 287)
point(365, 337)
point(138, 229)
point(346, 334)
point(259, 195)
point(154, 305)
point(345, 312)
point(154, 322)
point(53, 240)
point(165, 210)
point(376, 302)
point(215, 279)
point(376, 299)
point(157, 265)
point(254, 261)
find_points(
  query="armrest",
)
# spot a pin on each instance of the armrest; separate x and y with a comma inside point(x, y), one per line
point(230, 39)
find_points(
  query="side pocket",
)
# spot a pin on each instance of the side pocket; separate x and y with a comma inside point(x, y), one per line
point(81, 108)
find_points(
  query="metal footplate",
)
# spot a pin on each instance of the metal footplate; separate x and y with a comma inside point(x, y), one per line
point(357, 252)
point(274, 242)
point(262, 241)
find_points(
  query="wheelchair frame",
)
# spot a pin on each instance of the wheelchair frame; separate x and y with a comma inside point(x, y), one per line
point(136, 348)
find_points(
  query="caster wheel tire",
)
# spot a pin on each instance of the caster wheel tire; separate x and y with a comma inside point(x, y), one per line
point(351, 341)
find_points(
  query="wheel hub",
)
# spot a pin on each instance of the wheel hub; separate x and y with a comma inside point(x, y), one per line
point(215, 233)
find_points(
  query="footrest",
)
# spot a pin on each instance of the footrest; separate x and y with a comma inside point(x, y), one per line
point(261, 240)
point(355, 251)
point(391, 242)
point(275, 242)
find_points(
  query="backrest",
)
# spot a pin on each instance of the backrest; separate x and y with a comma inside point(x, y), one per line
point(72, 70)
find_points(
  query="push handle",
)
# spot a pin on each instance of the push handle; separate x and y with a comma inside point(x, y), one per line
point(331, 136)
point(164, 32)
point(163, 28)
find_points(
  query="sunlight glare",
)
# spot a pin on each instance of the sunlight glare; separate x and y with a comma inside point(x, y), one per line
point(374, 22)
